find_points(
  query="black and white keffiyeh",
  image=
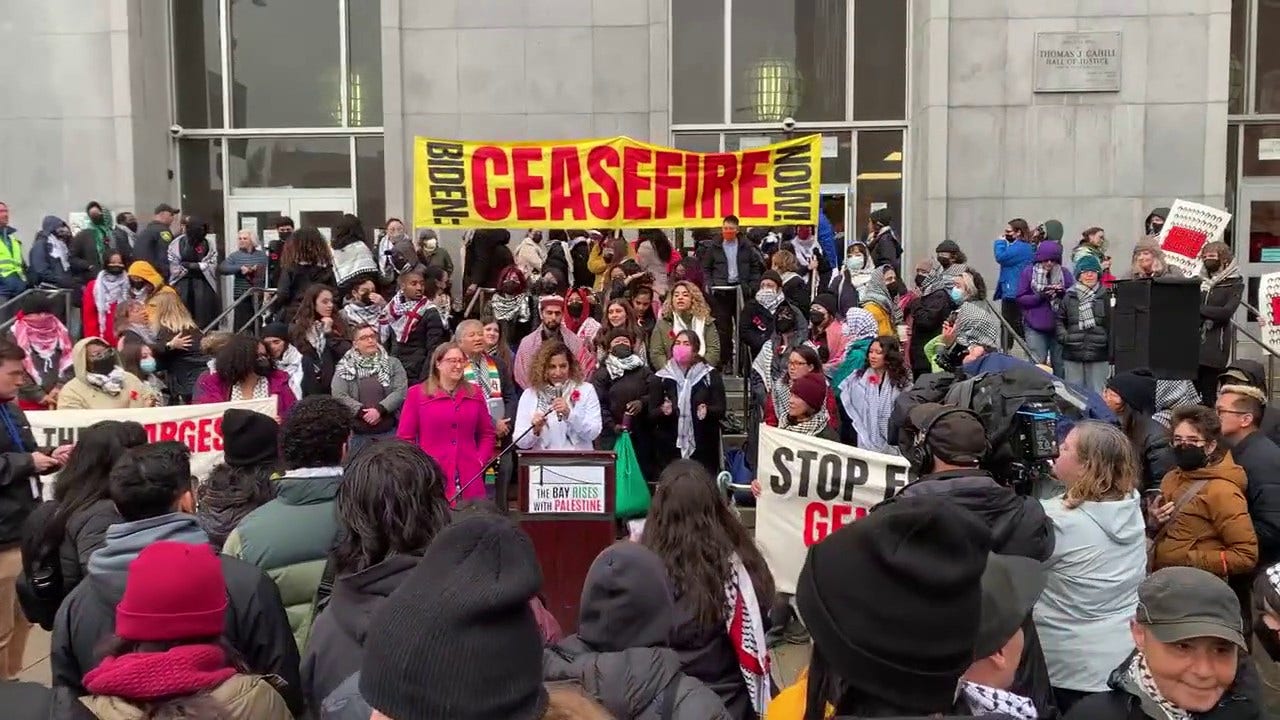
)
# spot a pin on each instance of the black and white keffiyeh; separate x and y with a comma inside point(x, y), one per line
point(112, 383)
point(617, 367)
point(977, 325)
point(983, 700)
point(511, 308)
point(354, 366)
point(1140, 677)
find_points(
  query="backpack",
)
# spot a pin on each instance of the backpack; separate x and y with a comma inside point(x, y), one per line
point(997, 398)
point(40, 587)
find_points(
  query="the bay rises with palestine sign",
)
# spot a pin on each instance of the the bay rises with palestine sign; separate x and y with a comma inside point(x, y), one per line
point(1077, 62)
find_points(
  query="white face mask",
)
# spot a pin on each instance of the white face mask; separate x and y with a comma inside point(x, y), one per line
point(430, 244)
point(855, 262)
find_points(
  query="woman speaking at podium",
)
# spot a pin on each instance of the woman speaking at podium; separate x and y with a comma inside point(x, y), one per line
point(558, 411)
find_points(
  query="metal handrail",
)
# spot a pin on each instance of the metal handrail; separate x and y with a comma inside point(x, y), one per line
point(66, 293)
point(1012, 333)
point(231, 308)
point(262, 312)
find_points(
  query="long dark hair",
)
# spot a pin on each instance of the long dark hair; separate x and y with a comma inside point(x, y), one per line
point(503, 350)
point(660, 242)
point(826, 688)
point(391, 502)
point(306, 245)
point(236, 360)
point(307, 316)
point(692, 529)
point(894, 366)
point(605, 338)
point(83, 480)
point(198, 706)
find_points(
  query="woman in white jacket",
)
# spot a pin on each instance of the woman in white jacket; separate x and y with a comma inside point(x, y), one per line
point(558, 411)
point(1098, 561)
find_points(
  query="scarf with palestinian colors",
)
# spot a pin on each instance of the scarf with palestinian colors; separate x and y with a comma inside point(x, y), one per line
point(402, 315)
point(42, 334)
point(482, 371)
point(746, 631)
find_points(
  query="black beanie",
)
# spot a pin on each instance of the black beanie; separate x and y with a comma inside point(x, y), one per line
point(1136, 388)
point(458, 638)
point(828, 302)
point(904, 633)
point(249, 438)
point(275, 330)
point(948, 246)
point(627, 600)
point(773, 275)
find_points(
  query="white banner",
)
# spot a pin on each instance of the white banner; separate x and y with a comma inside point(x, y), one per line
point(1189, 227)
point(199, 427)
point(811, 488)
point(1268, 304)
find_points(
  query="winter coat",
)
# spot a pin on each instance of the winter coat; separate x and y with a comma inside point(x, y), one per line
point(78, 394)
point(708, 656)
point(338, 635)
point(663, 336)
point(1125, 701)
point(182, 368)
point(289, 538)
point(529, 257)
point(17, 473)
point(846, 291)
point(636, 683)
point(256, 260)
point(1155, 457)
point(1013, 257)
point(927, 314)
point(438, 258)
point(1260, 458)
point(1080, 344)
point(715, 263)
point(614, 394)
point(326, 360)
point(293, 284)
point(211, 389)
point(706, 432)
point(755, 325)
point(1253, 370)
point(1099, 559)
point(256, 624)
point(1217, 307)
point(415, 352)
point(1213, 531)
point(122, 239)
point(484, 258)
point(457, 431)
point(44, 268)
point(886, 248)
point(152, 247)
point(795, 288)
point(241, 697)
point(577, 432)
point(1038, 309)
point(86, 532)
point(27, 701)
point(348, 393)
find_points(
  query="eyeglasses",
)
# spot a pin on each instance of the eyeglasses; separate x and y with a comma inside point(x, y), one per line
point(796, 363)
point(1229, 411)
point(454, 360)
point(1185, 440)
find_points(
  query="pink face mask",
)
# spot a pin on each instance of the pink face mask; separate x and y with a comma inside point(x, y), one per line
point(682, 354)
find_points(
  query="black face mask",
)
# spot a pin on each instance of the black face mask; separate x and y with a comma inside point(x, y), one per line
point(132, 225)
point(139, 284)
point(263, 367)
point(102, 366)
point(785, 324)
point(575, 308)
point(1269, 639)
point(1212, 266)
point(817, 318)
point(1154, 228)
point(284, 234)
point(622, 352)
point(944, 260)
point(920, 279)
point(510, 287)
point(1190, 457)
point(116, 270)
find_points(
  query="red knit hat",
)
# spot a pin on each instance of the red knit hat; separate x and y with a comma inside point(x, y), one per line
point(812, 389)
point(175, 591)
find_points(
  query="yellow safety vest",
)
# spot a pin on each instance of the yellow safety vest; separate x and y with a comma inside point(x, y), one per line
point(11, 257)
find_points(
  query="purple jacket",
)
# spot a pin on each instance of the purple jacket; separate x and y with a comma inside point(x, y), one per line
point(209, 389)
point(457, 431)
point(1037, 309)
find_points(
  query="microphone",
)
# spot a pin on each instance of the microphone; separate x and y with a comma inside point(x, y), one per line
point(511, 446)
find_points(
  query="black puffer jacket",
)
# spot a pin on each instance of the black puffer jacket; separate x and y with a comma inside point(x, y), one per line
point(415, 352)
point(1260, 459)
point(1086, 345)
point(293, 284)
point(619, 655)
point(337, 637)
point(86, 532)
point(1019, 526)
point(1155, 457)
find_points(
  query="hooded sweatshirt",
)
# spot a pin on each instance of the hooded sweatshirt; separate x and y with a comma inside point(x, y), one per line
point(1099, 559)
point(620, 654)
point(78, 394)
point(1038, 309)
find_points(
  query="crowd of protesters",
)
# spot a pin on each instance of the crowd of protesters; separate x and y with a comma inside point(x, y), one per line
point(353, 559)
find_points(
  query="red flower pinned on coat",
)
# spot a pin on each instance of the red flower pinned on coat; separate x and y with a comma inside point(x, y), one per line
point(200, 248)
point(671, 334)
point(574, 396)
point(133, 394)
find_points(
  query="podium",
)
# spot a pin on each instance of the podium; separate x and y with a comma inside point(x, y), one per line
point(566, 506)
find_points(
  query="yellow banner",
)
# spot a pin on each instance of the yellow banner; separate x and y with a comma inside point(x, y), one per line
point(611, 183)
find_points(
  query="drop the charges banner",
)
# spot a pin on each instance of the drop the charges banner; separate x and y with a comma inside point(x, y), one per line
point(199, 427)
point(611, 183)
point(811, 488)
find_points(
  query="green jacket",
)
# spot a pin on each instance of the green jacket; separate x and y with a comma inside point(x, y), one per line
point(663, 337)
point(290, 538)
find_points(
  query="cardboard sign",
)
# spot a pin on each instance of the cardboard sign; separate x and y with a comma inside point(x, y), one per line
point(1189, 227)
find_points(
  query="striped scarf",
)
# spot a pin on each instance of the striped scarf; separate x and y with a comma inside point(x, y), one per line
point(746, 631)
point(482, 371)
point(1085, 295)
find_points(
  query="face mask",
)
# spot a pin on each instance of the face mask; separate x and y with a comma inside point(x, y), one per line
point(855, 262)
point(138, 285)
point(803, 233)
point(944, 261)
point(729, 234)
point(510, 287)
point(1153, 228)
point(102, 366)
point(263, 367)
point(920, 280)
point(575, 308)
point(63, 233)
point(622, 352)
point(1212, 266)
point(116, 270)
point(817, 318)
point(1269, 639)
point(682, 354)
point(132, 225)
point(430, 245)
point(786, 324)
point(284, 234)
point(766, 297)
point(1190, 457)
point(147, 365)
point(957, 297)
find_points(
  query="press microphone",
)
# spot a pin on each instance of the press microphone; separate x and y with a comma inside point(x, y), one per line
point(483, 470)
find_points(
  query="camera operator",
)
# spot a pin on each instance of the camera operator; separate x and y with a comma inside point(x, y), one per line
point(945, 446)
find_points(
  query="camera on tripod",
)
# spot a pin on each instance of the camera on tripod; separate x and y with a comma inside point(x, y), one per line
point(1034, 445)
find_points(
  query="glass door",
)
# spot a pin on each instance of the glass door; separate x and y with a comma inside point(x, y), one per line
point(1257, 241)
point(259, 214)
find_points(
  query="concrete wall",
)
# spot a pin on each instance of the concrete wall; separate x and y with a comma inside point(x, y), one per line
point(987, 149)
point(519, 69)
point(86, 107)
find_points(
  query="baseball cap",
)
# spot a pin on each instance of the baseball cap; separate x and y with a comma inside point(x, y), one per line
point(1180, 603)
point(957, 438)
point(1011, 585)
point(165, 207)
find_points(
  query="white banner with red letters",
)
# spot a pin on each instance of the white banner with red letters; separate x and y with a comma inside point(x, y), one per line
point(810, 488)
point(199, 427)
point(1189, 227)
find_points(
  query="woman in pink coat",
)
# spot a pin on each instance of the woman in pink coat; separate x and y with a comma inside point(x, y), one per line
point(449, 419)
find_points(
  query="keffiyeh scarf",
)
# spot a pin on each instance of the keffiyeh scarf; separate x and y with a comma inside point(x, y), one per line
point(482, 370)
point(1140, 677)
point(1043, 276)
point(548, 395)
point(354, 366)
point(977, 325)
point(983, 700)
point(814, 425)
point(868, 397)
point(42, 334)
point(696, 325)
point(1171, 395)
point(362, 314)
point(1207, 281)
point(685, 381)
point(859, 324)
point(1085, 295)
point(877, 291)
point(402, 315)
point(511, 308)
point(746, 632)
point(112, 383)
point(617, 367)
point(769, 299)
point(108, 290)
point(290, 363)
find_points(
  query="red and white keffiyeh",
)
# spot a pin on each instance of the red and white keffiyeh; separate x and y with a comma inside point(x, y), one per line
point(746, 631)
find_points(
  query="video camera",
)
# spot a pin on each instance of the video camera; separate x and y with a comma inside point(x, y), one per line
point(1033, 445)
